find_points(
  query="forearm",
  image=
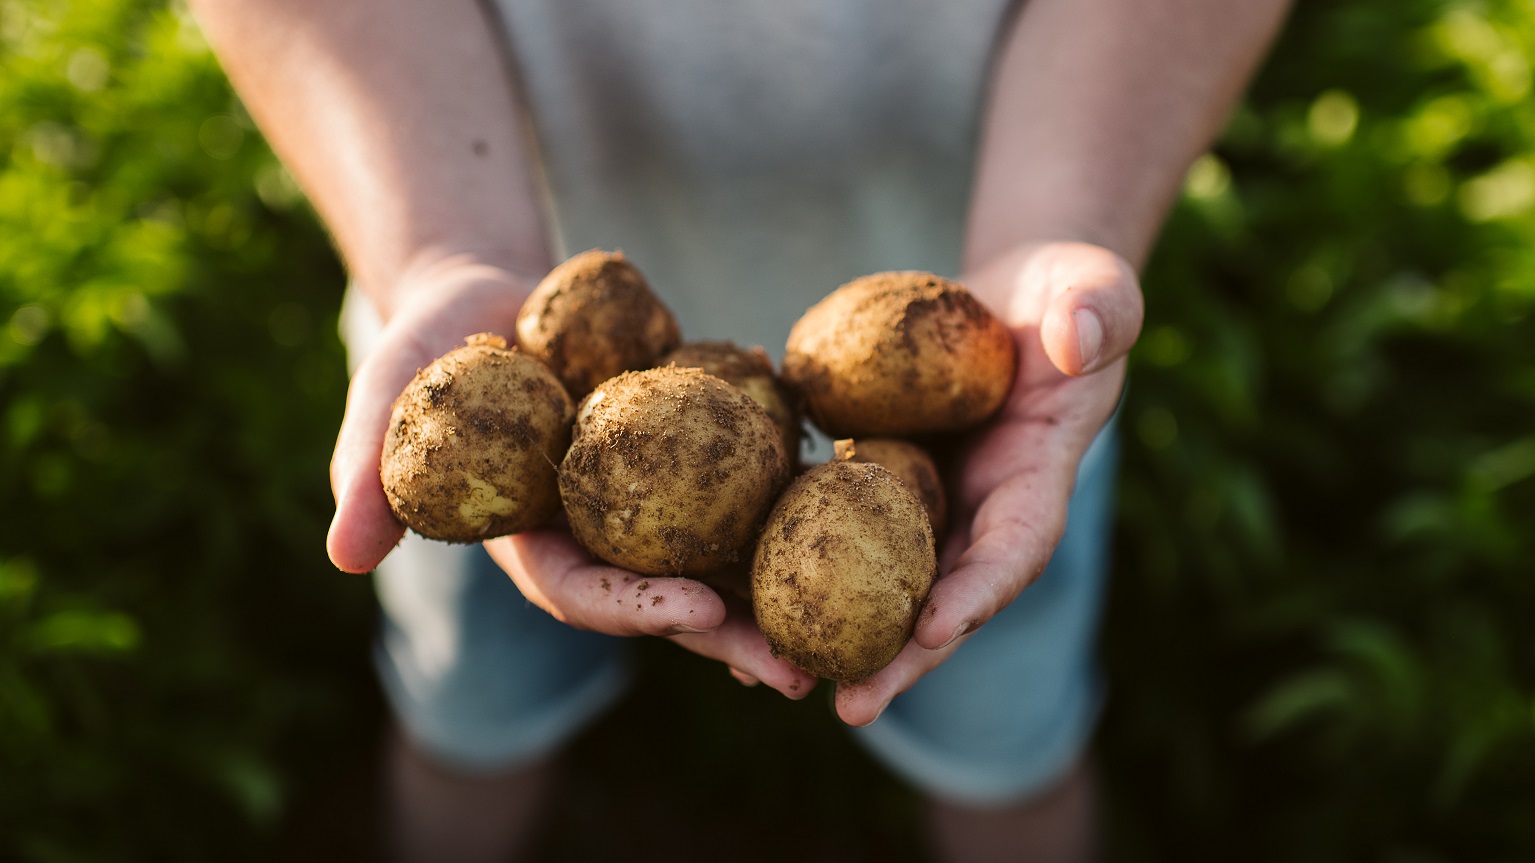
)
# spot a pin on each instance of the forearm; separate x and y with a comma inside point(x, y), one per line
point(1096, 110)
point(398, 120)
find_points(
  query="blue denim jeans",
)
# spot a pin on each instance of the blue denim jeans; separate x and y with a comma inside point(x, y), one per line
point(484, 680)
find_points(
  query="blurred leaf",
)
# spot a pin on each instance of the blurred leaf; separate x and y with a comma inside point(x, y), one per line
point(1299, 699)
point(18, 579)
point(254, 786)
point(85, 632)
point(1506, 465)
point(1384, 659)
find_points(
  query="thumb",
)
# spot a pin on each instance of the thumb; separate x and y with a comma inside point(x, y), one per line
point(1095, 312)
point(364, 529)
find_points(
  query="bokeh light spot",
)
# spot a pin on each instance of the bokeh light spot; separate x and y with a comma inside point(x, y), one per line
point(1208, 178)
point(1333, 118)
point(1505, 191)
point(29, 324)
point(87, 70)
point(221, 136)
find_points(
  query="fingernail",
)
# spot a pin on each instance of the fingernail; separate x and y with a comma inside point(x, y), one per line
point(684, 629)
point(1089, 335)
point(958, 633)
point(743, 678)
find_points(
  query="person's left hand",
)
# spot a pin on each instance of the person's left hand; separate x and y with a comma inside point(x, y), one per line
point(1074, 309)
point(430, 312)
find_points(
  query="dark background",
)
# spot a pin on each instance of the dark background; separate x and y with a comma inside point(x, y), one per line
point(1319, 637)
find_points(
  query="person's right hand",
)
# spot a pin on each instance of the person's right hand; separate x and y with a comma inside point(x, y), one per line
point(435, 308)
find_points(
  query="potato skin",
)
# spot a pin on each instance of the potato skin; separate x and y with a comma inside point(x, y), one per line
point(671, 472)
point(841, 570)
point(900, 354)
point(750, 371)
point(909, 462)
point(472, 443)
point(593, 317)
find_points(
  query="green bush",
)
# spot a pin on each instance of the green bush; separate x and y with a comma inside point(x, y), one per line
point(168, 366)
point(1318, 637)
point(1319, 641)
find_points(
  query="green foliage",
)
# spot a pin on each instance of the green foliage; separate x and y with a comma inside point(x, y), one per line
point(1319, 641)
point(1318, 638)
point(167, 364)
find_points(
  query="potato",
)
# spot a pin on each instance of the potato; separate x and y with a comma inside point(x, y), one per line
point(841, 570)
point(909, 462)
point(751, 372)
point(473, 441)
point(900, 354)
point(593, 317)
point(671, 472)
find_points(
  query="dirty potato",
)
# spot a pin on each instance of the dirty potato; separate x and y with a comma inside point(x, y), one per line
point(909, 462)
point(472, 444)
point(671, 472)
point(593, 317)
point(900, 354)
point(750, 371)
point(841, 570)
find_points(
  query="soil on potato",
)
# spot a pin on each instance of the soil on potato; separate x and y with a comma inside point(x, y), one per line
point(479, 422)
point(805, 612)
point(751, 371)
point(901, 354)
point(639, 484)
point(724, 360)
point(913, 464)
point(593, 317)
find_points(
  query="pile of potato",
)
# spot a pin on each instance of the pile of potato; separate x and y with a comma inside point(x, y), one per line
point(681, 459)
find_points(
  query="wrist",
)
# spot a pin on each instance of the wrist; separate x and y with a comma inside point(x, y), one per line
point(434, 273)
point(1130, 243)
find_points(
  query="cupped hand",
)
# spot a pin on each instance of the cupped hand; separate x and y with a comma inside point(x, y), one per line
point(439, 305)
point(1075, 310)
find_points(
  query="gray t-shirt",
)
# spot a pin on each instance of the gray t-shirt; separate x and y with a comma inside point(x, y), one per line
point(749, 156)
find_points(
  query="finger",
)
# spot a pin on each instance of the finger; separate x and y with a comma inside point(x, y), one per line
point(743, 678)
point(558, 576)
point(739, 644)
point(555, 574)
point(1014, 532)
point(860, 702)
point(1095, 310)
point(364, 529)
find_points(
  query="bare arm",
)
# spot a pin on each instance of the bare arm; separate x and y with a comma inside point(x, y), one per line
point(398, 121)
point(1096, 110)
